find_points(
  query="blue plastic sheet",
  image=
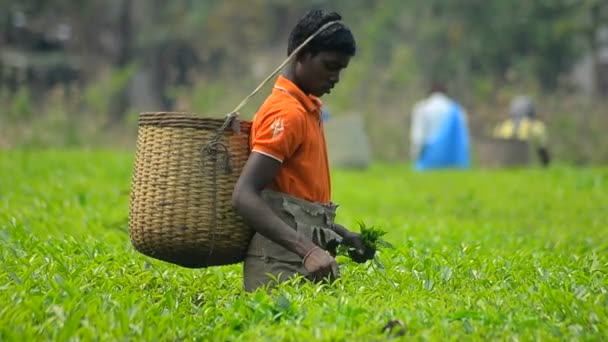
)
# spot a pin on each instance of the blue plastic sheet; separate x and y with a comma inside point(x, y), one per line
point(449, 146)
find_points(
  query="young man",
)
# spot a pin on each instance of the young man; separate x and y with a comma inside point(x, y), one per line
point(283, 192)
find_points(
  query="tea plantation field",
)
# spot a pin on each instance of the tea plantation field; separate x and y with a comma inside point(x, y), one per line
point(501, 255)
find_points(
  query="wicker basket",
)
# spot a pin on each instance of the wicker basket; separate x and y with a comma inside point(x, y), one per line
point(185, 170)
point(184, 173)
point(501, 153)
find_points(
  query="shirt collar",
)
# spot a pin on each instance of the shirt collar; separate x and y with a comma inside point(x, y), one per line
point(310, 102)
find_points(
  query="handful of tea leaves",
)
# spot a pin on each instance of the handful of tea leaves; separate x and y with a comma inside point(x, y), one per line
point(371, 237)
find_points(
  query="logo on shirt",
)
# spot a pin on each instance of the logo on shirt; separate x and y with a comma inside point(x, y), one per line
point(277, 127)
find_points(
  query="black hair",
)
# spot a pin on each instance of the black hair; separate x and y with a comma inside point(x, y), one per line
point(337, 37)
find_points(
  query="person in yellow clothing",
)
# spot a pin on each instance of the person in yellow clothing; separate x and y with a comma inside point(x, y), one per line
point(523, 125)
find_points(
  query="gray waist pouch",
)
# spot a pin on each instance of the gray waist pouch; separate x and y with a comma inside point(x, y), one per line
point(312, 220)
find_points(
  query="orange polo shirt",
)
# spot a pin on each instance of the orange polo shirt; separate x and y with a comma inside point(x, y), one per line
point(288, 128)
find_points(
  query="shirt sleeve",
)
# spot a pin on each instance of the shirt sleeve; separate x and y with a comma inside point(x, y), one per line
point(280, 133)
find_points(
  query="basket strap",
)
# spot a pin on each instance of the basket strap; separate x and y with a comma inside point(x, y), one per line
point(210, 149)
point(230, 116)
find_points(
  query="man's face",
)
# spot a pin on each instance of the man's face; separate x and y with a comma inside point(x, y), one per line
point(320, 73)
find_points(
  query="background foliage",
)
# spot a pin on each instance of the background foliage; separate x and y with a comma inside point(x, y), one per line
point(205, 56)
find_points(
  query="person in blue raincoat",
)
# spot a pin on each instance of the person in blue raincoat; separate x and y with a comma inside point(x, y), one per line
point(439, 134)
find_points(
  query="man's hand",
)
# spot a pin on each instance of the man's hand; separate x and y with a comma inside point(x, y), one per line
point(320, 264)
point(358, 252)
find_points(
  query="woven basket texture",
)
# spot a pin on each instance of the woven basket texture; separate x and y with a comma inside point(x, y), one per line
point(180, 206)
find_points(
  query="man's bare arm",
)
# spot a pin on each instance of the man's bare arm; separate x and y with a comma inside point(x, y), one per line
point(259, 171)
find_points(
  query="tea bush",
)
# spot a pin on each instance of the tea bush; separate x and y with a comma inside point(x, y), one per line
point(517, 254)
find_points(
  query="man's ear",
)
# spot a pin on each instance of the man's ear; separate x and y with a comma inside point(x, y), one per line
point(303, 56)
